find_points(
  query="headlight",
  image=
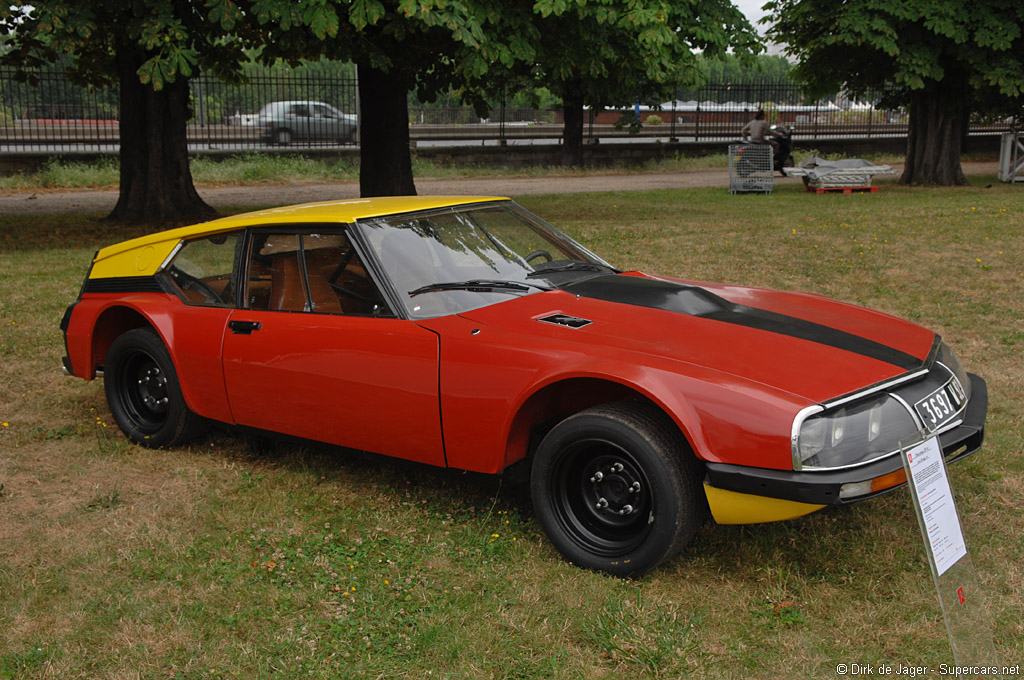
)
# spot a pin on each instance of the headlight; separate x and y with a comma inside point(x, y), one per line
point(853, 434)
point(949, 360)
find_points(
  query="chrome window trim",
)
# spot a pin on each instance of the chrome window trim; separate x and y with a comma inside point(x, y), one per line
point(174, 251)
point(798, 423)
point(880, 387)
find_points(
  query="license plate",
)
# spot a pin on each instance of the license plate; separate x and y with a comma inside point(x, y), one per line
point(942, 405)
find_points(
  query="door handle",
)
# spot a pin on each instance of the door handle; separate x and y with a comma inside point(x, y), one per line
point(244, 327)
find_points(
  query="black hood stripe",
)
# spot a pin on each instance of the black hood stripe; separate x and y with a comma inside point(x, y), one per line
point(694, 301)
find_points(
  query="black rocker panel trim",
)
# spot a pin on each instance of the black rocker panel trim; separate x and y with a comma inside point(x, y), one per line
point(694, 301)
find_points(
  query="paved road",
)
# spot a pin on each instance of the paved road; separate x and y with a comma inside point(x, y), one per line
point(99, 201)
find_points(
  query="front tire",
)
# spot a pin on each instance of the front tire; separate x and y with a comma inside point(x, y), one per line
point(616, 488)
point(143, 392)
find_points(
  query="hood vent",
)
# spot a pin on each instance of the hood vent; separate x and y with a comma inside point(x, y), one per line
point(566, 320)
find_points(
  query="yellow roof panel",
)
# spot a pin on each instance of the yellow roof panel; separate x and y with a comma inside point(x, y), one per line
point(143, 256)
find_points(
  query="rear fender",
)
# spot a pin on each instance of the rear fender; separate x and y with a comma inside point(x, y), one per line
point(193, 337)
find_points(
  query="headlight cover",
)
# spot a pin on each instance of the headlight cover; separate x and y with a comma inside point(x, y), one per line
point(853, 434)
point(949, 360)
point(854, 431)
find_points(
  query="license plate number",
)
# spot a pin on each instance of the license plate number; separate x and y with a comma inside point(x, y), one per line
point(942, 405)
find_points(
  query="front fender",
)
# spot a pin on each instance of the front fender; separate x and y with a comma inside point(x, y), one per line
point(495, 385)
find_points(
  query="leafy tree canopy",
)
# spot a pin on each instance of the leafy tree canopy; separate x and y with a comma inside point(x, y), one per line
point(948, 58)
point(972, 48)
point(731, 69)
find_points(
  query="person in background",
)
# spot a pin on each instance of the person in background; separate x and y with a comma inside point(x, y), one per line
point(759, 132)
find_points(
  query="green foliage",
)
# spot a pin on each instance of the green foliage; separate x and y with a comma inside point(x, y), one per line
point(973, 49)
point(729, 68)
point(615, 53)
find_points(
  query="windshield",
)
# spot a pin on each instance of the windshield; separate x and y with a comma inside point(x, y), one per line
point(456, 259)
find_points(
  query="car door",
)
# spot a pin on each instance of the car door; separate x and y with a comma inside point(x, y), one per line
point(298, 120)
point(322, 123)
point(314, 352)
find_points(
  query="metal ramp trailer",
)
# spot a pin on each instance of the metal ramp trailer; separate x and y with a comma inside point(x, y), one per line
point(1011, 158)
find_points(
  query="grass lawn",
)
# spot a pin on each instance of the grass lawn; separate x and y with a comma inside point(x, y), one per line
point(257, 168)
point(229, 561)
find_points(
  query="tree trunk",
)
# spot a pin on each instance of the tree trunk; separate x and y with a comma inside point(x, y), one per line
point(385, 161)
point(938, 125)
point(572, 132)
point(156, 182)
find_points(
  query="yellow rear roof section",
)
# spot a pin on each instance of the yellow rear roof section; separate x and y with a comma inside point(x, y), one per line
point(143, 256)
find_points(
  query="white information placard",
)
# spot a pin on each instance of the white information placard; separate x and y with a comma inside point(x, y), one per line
point(938, 512)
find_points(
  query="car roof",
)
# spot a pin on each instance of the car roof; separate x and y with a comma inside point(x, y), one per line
point(296, 101)
point(143, 256)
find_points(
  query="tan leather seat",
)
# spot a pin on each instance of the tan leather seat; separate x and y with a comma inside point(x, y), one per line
point(324, 299)
point(287, 292)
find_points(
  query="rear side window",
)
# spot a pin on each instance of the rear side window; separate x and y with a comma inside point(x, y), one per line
point(203, 271)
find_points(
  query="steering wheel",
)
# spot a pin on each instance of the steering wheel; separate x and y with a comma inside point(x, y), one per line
point(189, 282)
point(539, 253)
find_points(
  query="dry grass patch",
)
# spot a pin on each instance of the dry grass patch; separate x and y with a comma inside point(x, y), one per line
point(230, 561)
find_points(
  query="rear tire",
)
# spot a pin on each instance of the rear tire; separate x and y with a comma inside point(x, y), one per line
point(616, 488)
point(282, 136)
point(143, 392)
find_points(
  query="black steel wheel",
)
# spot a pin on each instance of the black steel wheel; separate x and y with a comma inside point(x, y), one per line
point(616, 488)
point(143, 393)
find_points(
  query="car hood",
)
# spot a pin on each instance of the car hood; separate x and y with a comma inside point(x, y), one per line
point(807, 345)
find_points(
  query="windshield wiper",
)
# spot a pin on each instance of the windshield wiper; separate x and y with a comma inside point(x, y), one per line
point(568, 267)
point(477, 286)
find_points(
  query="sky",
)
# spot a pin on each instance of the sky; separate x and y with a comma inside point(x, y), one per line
point(752, 10)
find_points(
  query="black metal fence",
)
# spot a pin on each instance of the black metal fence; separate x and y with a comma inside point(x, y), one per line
point(303, 110)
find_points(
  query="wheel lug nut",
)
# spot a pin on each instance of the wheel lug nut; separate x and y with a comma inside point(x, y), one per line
point(617, 467)
point(602, 504)
point(626, 510)
point(635, 488)
point(598, 476)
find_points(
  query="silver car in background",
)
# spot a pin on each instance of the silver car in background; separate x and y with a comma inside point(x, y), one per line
point(282, 122)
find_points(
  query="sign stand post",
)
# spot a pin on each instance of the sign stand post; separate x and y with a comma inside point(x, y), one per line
point(956, 580)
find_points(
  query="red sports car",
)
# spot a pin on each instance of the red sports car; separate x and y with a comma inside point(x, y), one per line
point(469, 333)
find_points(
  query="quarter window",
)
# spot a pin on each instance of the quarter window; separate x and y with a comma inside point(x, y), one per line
point(203, 271)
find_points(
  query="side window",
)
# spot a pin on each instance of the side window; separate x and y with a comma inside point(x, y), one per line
point(312, 272)
point(203, 271)
point(274, 276)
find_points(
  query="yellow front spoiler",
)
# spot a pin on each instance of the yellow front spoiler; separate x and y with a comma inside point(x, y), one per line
point(732, 507)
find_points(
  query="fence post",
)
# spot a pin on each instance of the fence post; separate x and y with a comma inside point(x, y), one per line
point(696, 120)
point(672, 128)
point(359, 111)
point(501, 125)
